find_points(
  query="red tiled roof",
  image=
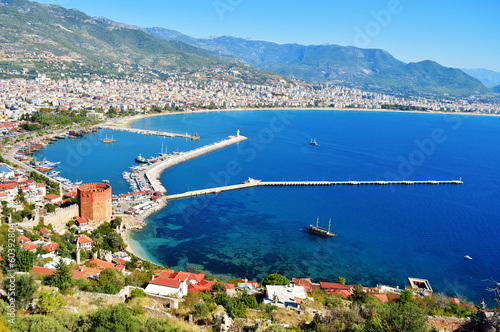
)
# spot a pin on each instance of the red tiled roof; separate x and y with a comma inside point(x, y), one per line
point(120, 261)
point(334, 285)
point(43, 230)
point(41, 271)
point(84, 239)
point(393, 297)
point(81, 221)
point(119, 267)
point(30, 246)
point(197, 277)
point(167, 282)
point(100, 263)
point(380, 297)
point(84, 272)
point(71, 194)
point(8, 186)
point(182, 276)
point(51, 196)
point(22, 239)
point(51, 247)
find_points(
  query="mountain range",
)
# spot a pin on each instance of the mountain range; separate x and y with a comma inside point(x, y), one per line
point(105, 47)
point(371, 69)
point(101, 46)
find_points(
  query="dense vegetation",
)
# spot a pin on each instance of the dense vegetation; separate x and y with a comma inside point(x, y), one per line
point(51, 118)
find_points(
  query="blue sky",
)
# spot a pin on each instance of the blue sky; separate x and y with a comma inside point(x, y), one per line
point(462, 34)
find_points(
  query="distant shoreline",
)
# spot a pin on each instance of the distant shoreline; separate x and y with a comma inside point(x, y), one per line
point(126, 122)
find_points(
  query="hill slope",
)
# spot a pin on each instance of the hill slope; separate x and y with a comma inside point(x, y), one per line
point(496, 89)
point(102, 46)
point(339, 64)
point(488, 77)
point(426, 76)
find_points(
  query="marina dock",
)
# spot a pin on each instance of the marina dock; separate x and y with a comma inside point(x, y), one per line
point(153, 173)
point(146, 132)
point(305, 183)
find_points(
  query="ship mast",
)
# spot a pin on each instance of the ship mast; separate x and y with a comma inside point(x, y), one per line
point(317, 220)
point(329, 223)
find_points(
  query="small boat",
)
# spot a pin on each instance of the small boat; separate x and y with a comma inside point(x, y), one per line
point(468, 257)
point(313, 142)
point(319, 230)
point(60, 136)
point(105, 181)
point(71, 137)
point(141, 159)
point(108, 140)
point(195, 136)
point(250, 180)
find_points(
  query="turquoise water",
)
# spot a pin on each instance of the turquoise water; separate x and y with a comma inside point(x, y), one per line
point(386, 233)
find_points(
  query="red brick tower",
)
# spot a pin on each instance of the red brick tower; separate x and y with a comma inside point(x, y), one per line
point(95, 201)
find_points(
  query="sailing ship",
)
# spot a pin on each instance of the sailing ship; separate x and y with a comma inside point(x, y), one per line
point(319, 230)
point(313, 142)
point(195, 136)
point(108, 140)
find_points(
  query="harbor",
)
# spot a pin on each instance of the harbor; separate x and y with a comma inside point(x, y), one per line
point(147, 132)
point(153, 174)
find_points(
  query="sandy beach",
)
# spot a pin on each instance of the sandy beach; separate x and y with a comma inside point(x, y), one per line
point(126, 122)
point(132, 223)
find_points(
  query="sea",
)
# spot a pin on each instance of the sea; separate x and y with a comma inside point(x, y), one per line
point(386, 233)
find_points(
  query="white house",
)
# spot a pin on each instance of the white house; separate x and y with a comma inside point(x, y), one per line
point(173, 284)
point(165, 287)
point(285, 296)
point(6, 173)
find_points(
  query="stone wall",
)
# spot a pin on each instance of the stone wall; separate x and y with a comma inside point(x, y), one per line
point(61, 216)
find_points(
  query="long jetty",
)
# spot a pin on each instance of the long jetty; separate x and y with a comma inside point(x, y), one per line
point(254, 183)
point(154, 173)
point(146, 132)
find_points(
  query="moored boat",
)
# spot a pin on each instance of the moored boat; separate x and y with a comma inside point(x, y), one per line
point(141, 159)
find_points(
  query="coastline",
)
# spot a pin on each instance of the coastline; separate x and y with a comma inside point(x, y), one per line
point(133, 223)
point(126, 122)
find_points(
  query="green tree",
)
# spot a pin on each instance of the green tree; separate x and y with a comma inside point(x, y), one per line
point(138, 292)
point(25, 288)
point(114, 240)
point(138, 278)
point(341, 280)
point(111, 281)
point(62, 276)
point(394, 317)
point(359, 296)
point(116, 222)
point(275, 279)
point(406, 296)
point(50, 207)
point(24, 259)
point(117, 318)
point(201, 310)
point(219, 287)
point(49, 303)
point(147, 265)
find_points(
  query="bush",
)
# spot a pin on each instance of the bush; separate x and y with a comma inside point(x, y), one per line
point(201, 310)
point(138, 292)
